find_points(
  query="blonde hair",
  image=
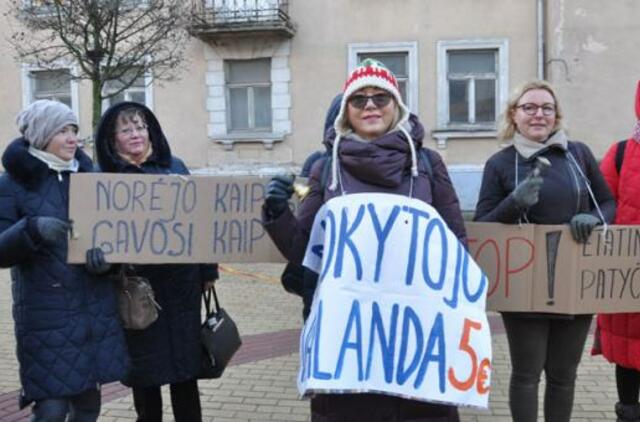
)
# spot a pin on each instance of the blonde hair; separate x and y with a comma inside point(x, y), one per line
point(508, 125)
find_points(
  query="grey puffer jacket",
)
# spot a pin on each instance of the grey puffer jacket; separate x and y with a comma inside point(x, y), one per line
point(563, 193)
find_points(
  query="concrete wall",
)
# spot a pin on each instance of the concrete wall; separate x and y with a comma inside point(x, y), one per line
point(594, 61)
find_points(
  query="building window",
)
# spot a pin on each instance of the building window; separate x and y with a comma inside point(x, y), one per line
point(248, 95)
point(400, 57)
point(50, 85)
point(472, 83)
point(472, 86)
point(139, 91)
point(397, 63)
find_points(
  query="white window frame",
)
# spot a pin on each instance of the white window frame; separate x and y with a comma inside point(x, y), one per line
point(279, 53)
point(148, 93)
point(250, 99)
point(410, 47)
point(502, 84)
point(27, 86)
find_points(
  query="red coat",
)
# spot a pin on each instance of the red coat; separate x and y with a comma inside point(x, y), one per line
point(620, 333)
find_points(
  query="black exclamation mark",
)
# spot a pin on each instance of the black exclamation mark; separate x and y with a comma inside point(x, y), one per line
point(553, 241)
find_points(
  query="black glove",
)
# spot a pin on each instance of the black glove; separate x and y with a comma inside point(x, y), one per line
point(582, 225)
point(279, 190)
point(51, 230)
point(527, 193)
point(96, 264)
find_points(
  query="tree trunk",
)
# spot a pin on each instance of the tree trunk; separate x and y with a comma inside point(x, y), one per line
point(96, 99)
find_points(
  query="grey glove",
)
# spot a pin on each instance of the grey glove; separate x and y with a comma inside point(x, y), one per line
point(527, 193)
point(95, 262)
point(52, 230)
point(582, 225)
point(279, 190)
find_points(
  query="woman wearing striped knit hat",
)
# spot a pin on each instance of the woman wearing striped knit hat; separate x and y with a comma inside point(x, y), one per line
point(376, 147)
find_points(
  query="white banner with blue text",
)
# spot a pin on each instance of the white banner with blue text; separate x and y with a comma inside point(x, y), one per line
point(399, 308)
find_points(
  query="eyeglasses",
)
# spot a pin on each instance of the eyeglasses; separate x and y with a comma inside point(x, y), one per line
point(532, 109)
point(130, 130)
point(379, 100)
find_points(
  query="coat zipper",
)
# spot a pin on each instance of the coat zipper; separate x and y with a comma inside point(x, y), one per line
point(576, 181)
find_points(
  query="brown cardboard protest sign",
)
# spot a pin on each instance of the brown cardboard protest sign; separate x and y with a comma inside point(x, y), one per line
point(540, 268)
point(505, 253)
point(169, 218)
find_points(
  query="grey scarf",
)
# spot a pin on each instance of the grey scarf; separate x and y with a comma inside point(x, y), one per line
point(528, 148)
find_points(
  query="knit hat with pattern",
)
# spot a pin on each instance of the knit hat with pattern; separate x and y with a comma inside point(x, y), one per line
point(370, 73)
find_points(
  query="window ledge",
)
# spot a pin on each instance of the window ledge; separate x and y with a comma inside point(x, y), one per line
point(267, 139)
point(442, 135)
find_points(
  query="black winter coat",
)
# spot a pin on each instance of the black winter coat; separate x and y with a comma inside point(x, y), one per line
point(169, 350)
point(563, 193)
point(68, 332)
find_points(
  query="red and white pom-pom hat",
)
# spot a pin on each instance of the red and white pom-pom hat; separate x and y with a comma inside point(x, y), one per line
point(370, 73)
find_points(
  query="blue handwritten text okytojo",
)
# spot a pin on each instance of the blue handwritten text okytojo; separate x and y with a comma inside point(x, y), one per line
point(341, 229)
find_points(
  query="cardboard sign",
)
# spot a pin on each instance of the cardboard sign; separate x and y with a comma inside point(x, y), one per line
point(540, 268)
point(399, 308)
point(163, 219)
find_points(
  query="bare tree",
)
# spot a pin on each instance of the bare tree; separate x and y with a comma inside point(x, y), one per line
point(111, 42)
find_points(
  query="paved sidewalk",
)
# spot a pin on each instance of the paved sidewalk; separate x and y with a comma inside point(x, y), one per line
point(260, 383)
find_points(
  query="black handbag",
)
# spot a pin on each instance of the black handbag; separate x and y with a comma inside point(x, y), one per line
point(219, 337)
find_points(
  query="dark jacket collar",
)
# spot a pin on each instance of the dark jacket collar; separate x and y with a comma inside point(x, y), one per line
point(384, 161)
point(109, 160)
point(27, 169)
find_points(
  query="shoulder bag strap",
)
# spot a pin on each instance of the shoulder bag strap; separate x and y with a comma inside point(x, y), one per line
point(620, 155)
point(206, 295)
point(215, 298)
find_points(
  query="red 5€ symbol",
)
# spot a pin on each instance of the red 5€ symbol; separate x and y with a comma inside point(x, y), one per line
point(479, 373)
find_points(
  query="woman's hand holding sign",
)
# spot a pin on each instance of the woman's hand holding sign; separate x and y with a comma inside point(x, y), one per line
point(279, 191)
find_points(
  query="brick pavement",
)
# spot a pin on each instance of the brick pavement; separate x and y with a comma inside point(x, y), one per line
point(260, 384)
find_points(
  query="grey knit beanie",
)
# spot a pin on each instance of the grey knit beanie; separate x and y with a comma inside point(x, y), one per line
point(42, 119)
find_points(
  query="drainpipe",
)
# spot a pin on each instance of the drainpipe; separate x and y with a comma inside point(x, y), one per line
point(540, 15)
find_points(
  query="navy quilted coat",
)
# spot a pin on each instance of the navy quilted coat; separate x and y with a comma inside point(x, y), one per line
point(68, 334)
point(169, 350)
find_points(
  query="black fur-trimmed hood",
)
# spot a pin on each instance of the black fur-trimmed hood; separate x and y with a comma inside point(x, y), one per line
point(107, 157)
point(27, 169)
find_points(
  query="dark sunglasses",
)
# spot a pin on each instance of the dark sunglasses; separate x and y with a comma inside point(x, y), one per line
point(379, 100)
